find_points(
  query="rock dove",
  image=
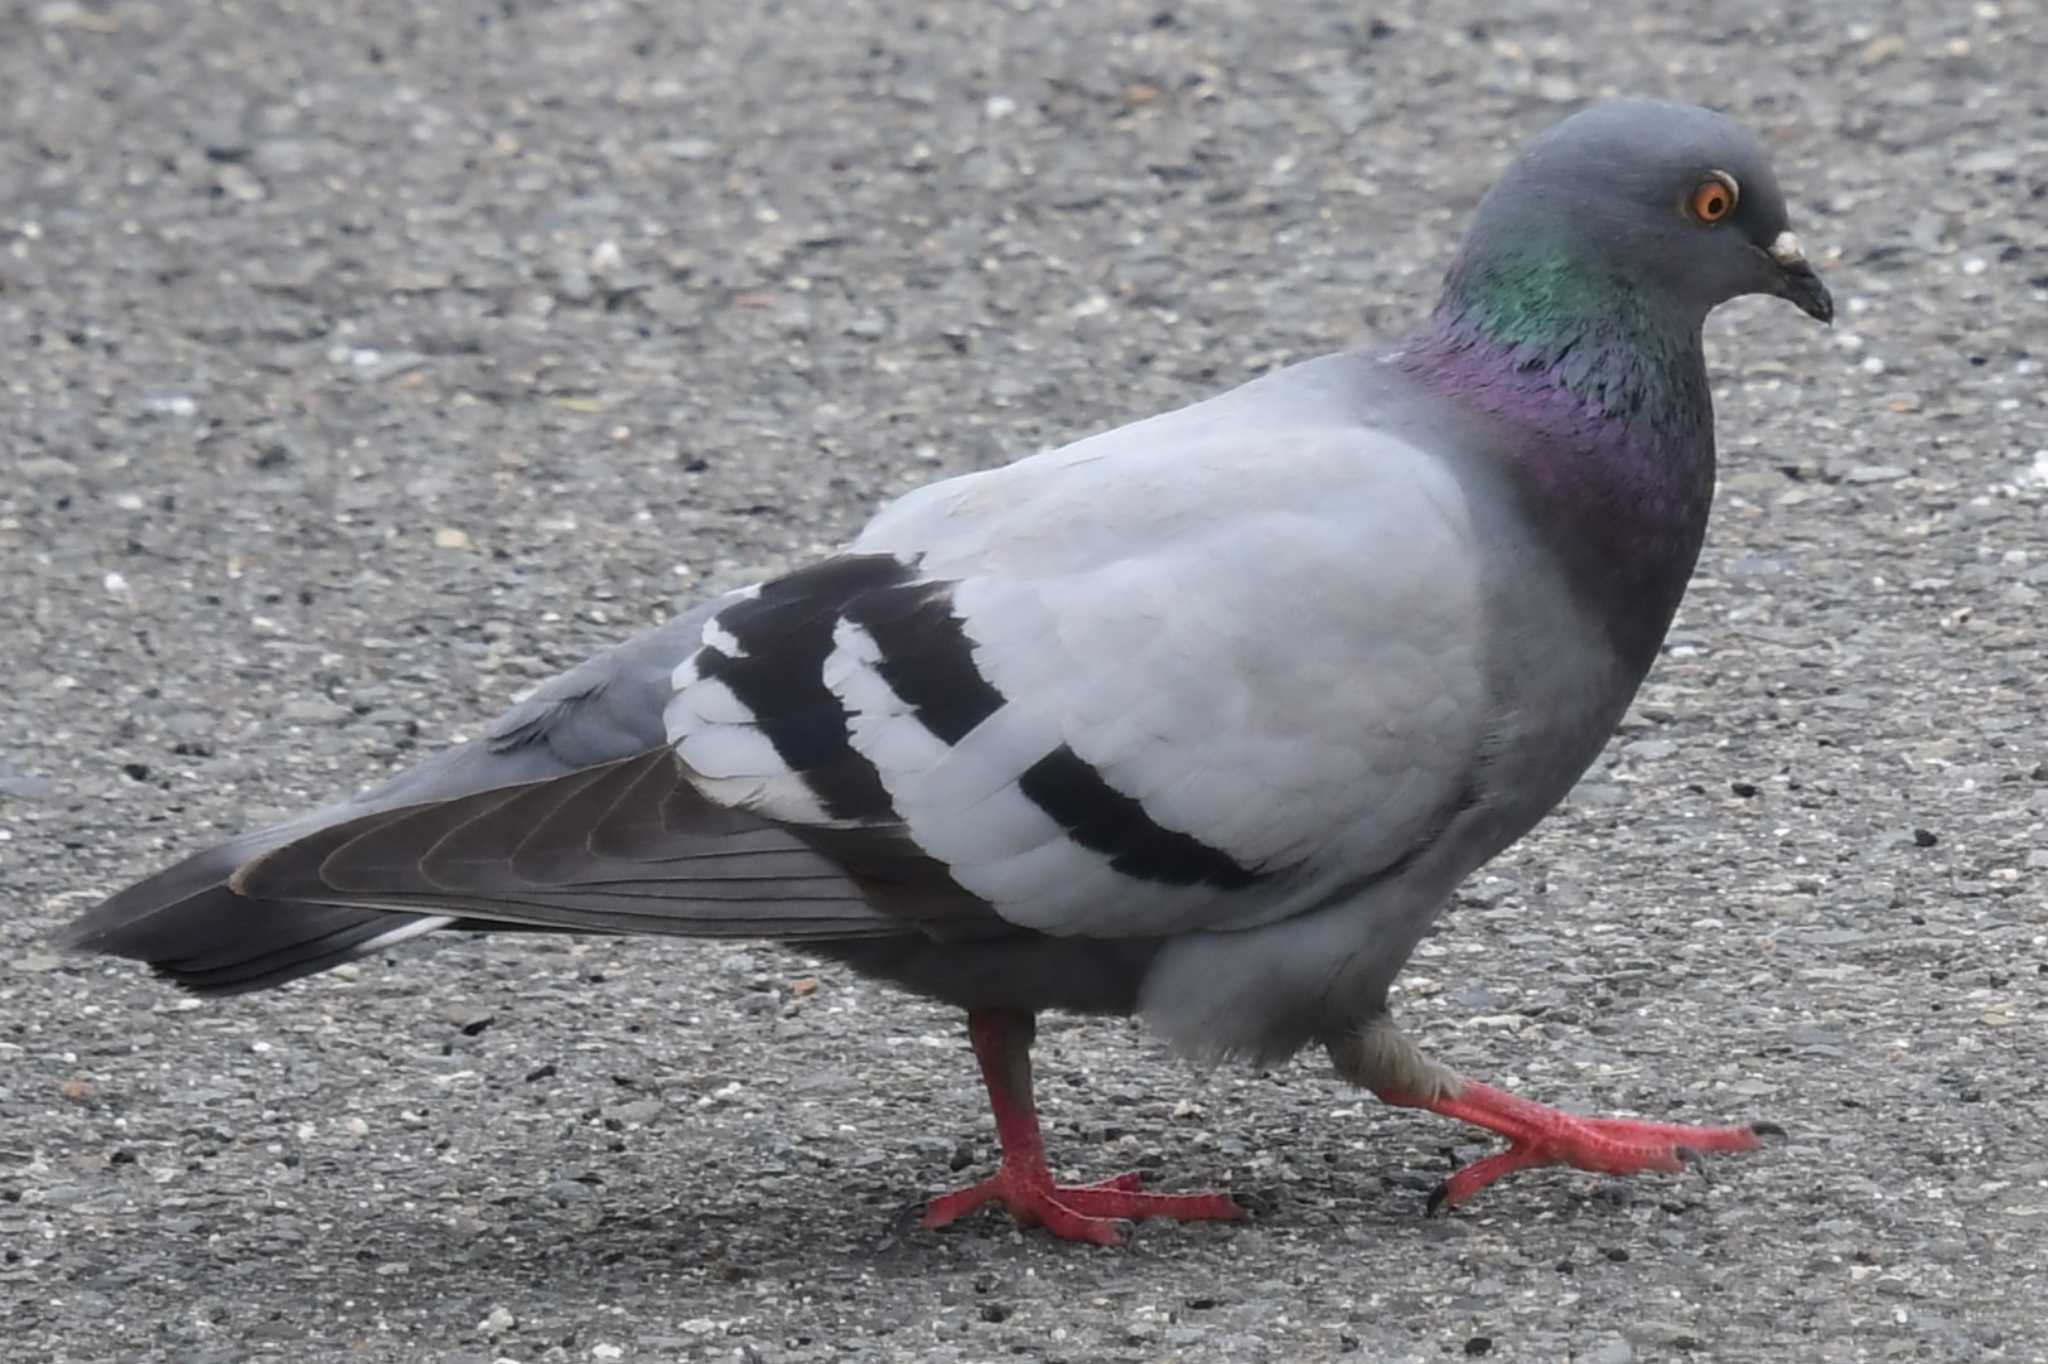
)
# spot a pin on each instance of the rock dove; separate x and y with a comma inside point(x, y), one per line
point(1202, 718)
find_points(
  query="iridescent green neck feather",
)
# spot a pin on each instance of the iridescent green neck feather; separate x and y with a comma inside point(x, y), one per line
point(1634, 358)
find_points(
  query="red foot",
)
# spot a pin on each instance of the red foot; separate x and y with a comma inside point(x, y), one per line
point(1078, 1212)
point(1540, 1135)
point(1081, 1212)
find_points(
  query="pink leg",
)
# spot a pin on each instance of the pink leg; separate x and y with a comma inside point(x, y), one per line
point(1539, 1135)
point(1023, 1185)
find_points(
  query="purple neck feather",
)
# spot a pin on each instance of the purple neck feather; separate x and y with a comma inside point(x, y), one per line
point(1612, 444)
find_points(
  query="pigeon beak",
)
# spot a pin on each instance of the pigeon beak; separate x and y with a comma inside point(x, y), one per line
point(1797, 282)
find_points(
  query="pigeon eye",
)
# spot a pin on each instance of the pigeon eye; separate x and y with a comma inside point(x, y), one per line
point(1714, 198)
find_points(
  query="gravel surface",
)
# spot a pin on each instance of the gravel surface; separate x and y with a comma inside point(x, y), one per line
point(366, 363)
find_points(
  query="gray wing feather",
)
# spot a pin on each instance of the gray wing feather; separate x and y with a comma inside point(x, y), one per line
point(1283, 659)
point(528, 855)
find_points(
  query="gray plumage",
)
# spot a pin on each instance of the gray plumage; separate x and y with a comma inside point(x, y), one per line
point(1203, 717)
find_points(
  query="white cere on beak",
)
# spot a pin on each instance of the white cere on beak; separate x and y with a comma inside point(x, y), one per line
point(1786, 251)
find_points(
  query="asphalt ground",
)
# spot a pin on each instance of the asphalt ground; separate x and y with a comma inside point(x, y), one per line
point(366, 363)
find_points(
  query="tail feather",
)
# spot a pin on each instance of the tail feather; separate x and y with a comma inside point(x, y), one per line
point(192, 929)
point(296, 939)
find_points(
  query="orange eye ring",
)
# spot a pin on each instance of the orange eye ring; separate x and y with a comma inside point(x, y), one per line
point(1713, 199)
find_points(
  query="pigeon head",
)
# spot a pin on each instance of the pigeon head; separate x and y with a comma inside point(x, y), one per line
point(1633, 211)
point(1571, 317)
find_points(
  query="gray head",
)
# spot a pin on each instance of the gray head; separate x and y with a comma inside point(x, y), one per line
point(1673, 204)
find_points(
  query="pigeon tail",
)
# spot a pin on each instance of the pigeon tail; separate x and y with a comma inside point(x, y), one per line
point(192, 929)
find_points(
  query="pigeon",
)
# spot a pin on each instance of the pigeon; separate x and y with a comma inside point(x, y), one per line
point(1201, 719)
